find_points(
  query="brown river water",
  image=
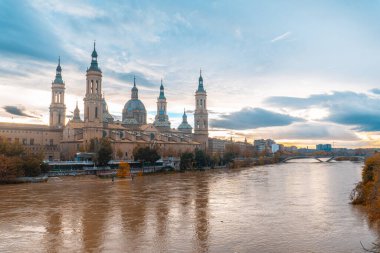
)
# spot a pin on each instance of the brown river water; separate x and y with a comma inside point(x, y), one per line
point(292, 207)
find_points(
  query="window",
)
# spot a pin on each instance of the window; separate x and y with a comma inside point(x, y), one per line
point(24, 141)
point(96, 112)
point(31, 141)
point(59, 118)
point(92, 86)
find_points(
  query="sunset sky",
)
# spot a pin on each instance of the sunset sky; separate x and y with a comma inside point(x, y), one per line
point(299, 72)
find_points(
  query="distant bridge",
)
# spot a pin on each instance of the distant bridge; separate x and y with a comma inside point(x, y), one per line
point(328, 158)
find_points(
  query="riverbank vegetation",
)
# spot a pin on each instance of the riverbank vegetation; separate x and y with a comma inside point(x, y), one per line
point(367, 192)
point(16, 162)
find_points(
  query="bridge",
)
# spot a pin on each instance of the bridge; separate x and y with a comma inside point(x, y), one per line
point(328, 158)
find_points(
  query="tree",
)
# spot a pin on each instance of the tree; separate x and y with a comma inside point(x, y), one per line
point(10, 167)
point(228, 157)
point(146, 154)
point(201, 159)
point(187, 160)
point(104, 154)
point(15, 162)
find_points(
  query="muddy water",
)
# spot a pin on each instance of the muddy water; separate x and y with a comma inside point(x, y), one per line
point(294, 207)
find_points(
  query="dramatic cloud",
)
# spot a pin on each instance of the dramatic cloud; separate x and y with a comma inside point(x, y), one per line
point(250, 118)
point(25, 34)
point(348, 108)
point(18, 111)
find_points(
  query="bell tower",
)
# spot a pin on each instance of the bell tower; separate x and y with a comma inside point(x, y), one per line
point(93, 105)
point(162, 120)
point(57, 107)
point(201, 115)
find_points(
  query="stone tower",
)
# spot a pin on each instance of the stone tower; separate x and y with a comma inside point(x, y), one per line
point(201, 115)
point(93, 100)
point(57, 107)
point(162, 120)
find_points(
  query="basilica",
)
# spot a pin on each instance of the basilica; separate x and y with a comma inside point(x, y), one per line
point(61, 141)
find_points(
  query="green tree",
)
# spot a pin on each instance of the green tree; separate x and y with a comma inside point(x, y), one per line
point(187, 160)
point(104, 154)
point(201, 159)
point(146, 154)
point(228, 157)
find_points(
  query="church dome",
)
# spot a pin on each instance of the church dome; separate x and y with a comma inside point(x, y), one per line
point(134, 110)
point(134, 105)
point(184, 126)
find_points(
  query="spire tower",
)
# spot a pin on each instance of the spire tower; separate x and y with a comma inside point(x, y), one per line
point(57, 107)
point(93, 101)
point(201, 115)
point(162, 119)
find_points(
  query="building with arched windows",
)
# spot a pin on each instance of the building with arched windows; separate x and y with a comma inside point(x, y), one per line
point(61, 140)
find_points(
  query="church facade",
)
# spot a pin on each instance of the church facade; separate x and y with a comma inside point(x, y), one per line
point(61, 141)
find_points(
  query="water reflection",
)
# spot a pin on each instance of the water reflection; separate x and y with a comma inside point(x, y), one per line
point(202, 215)
point(282, 208)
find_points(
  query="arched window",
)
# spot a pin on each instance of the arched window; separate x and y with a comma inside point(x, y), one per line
point(92, 86)
point(88, 112)
point(59, 118)
point(201, 101)
point(96, 112)
point(97, 86)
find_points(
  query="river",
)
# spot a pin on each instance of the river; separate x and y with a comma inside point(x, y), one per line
point(292, 207)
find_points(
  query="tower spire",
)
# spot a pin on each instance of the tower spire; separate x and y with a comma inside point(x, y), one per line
point(94, 60)
point(162, 93)
point(58, 73)
point(200, 82)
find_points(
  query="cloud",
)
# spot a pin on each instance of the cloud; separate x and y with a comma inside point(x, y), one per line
point(141, 80)
point(315, 131)
point(18, 111)
point(250, 118)
point(69, 7)
point(26, 34)
point(281, 37)
point(375, 91)
point(347, 108)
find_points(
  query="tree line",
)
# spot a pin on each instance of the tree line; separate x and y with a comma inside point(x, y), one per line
point(16, 162)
